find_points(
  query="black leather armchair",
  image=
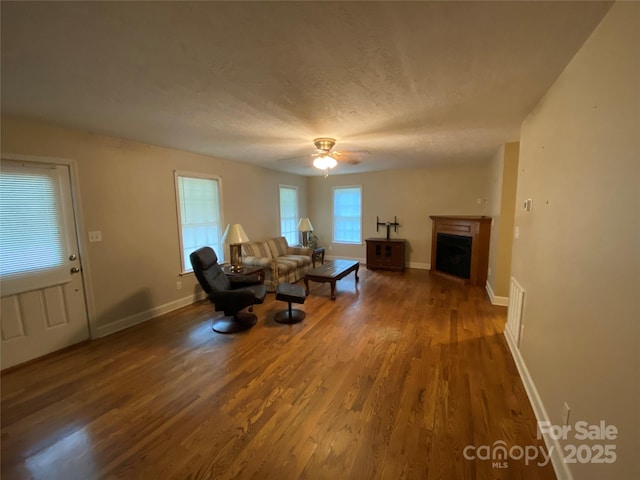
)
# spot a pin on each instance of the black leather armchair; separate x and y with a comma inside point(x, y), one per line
point(229, 294)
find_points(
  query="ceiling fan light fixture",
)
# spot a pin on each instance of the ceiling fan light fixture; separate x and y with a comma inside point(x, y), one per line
point(324, 143)
point(324, 162)
point(330, 162)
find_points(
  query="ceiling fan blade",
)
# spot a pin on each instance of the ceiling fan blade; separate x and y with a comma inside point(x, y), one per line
point(296, 158)
point(348, 161)
point(353, 152)
point(350, 157)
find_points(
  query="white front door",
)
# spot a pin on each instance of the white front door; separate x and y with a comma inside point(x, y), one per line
point(42, 305)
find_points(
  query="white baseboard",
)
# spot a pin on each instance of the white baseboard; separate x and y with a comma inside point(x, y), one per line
point(112, 327)
point(363, 261)
point(502, 301)
point(420, 266)
point(557, 458)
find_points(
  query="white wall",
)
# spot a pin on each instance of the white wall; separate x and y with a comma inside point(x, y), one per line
point(127, 192)
point(410, 195)
point(578, 255)
point(502, 203)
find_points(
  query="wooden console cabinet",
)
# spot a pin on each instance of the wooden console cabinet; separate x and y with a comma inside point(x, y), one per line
point(385, 254)
point(479, 229)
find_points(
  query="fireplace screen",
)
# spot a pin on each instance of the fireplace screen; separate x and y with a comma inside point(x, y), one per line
point(453, 254)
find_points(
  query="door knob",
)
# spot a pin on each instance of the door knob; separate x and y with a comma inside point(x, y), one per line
point(75, 270)
point(72, 257)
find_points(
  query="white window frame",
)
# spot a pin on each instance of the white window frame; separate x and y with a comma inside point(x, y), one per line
point(295, 188)
point(219, 249)
point(333, 222)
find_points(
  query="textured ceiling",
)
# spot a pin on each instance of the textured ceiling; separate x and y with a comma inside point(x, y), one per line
point(414, 83)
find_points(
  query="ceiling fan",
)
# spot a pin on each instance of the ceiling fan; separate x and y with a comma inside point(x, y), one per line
point(325, 158)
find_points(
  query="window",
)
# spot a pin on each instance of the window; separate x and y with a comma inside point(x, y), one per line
point(289, 214)
point(200, 221)
point(33, 237)
point(347, 213)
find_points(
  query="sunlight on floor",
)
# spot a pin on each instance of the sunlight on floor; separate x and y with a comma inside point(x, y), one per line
point(72, 453)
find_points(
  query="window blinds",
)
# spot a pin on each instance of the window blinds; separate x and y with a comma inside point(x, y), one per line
point(347, 212)
point(32, 233)
point(200, 220)
point(289, 214)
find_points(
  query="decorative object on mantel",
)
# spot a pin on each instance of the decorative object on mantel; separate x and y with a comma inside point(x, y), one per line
point(304, 226)
point(460, 247)
point(235, 235)
point(393, 224)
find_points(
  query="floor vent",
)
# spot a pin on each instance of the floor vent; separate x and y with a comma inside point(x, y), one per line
point(514, 315)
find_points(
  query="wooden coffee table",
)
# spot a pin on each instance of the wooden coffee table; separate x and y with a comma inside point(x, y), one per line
point(331, 272)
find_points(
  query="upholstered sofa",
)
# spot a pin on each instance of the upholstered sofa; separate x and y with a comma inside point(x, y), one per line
point(281, 263)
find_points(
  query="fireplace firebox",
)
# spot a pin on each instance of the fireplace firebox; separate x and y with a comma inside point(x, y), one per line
point(453, 255)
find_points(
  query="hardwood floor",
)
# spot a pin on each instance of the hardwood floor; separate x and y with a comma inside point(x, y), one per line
point(391, 380)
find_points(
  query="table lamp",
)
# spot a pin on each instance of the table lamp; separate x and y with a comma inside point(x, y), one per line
point(234, 235)
point(304, 226)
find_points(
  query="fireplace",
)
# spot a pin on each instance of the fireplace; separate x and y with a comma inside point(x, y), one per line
point(453, 255)
point(460, 248)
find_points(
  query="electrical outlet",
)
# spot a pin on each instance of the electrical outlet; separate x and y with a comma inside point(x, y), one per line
point(565, 414)
point(95, 236)
point(178, 285)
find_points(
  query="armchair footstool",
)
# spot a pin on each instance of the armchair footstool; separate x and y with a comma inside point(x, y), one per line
point(291, 294)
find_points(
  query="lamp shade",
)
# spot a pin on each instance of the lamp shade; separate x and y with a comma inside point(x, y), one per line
point(234, 233)
point(304, 225)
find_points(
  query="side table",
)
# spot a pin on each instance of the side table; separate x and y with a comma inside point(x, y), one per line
point(259, 271)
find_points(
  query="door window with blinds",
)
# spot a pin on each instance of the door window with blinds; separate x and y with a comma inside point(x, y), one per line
point(33, 237)
point(289, 214)
point(347, 215)
point(199, 215)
